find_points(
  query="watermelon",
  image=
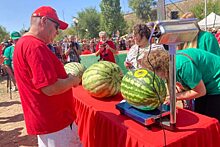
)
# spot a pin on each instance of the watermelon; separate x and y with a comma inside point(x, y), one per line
point(102, 79)
point(75, 68)
point(138, 90)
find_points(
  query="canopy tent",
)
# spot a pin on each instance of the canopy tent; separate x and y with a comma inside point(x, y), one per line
point(213, 21)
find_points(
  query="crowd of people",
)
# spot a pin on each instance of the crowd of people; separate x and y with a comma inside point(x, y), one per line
point(37, 64)
point(70, 47)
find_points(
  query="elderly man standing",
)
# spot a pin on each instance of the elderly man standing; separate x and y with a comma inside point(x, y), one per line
point(44, 86)
point(105, 48)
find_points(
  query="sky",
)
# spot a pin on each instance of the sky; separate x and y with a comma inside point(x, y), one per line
point(15, 14)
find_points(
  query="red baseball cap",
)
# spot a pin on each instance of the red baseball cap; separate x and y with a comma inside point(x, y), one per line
point(51, 13)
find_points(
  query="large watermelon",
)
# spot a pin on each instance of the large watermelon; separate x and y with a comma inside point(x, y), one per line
point(102, 79)
point(75, 68)
point(137, 88)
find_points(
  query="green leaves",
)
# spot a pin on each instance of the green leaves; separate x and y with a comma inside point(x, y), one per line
point(89, 23)
point(111, 17)
point(142, 8)
point(212, 6)
point(3, 34)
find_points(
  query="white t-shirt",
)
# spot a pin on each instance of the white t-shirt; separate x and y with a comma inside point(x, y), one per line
point(136, 53)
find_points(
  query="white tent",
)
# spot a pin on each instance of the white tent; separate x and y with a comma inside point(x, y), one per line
point(213, 20)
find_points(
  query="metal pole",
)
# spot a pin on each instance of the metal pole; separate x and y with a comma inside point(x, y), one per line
point(161, 13)
point(172, 78)
point(205, 15)
point(75, 21)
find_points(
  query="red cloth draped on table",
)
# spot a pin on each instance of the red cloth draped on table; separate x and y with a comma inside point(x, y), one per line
point(101, 125)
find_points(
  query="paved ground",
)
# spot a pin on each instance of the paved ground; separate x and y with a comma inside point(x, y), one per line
point(12, 126)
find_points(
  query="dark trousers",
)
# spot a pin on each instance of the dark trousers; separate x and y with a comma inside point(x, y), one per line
point(208, 105)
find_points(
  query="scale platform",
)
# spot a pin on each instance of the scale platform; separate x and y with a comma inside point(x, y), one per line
point(146, 118)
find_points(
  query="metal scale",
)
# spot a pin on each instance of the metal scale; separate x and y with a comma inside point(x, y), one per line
point(173, 32)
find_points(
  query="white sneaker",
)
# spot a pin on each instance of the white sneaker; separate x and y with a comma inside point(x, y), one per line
point(14, 88)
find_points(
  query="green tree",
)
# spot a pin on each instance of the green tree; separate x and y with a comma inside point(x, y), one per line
point(87, 26)
point(212, 6)
point(112, 19)
point(88, 23)
point(61, 34)
point(4, 35)
point(142, 8)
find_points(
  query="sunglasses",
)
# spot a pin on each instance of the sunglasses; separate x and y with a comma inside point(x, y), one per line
point(57, 24)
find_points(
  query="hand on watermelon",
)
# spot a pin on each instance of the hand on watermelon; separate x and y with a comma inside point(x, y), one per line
point(128, 65)
point(75, 79)
point(167, 101)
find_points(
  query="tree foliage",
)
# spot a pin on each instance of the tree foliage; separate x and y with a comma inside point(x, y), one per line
point(87, 26)
point(212, 6)
point(89, 23)
point(62, 34)
point(142, 8)
point(4, 35)
point(112, 19)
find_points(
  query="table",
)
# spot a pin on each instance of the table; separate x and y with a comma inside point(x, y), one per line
point(100, 124)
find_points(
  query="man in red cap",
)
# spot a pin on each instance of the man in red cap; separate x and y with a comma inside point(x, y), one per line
point(44, 86)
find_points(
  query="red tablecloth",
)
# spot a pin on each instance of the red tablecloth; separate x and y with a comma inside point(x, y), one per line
point(101, 125)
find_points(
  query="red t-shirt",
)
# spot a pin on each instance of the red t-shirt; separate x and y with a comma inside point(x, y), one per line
point(85, 52)
point(106, 54)
point(217, 35)
point(35, 66)
point(1, 49)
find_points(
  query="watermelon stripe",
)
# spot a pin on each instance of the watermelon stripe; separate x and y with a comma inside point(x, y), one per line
point(98, 90)
point(116, 90)
point(106, 63)
point(93, 84)
point(102, 79)
point(112, 89)
point(98, 71)
point(98, 77)
point(130, 87)
point(137, 82)
point(141, 91)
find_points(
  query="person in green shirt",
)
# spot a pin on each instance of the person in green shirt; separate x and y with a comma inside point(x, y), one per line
point(204, 40)
point(8, 54)
point(197, 73)
point(207, 41)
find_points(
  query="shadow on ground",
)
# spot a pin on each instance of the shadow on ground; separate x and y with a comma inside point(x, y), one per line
point(12, 127)
point(12, 138)
point(6, 104)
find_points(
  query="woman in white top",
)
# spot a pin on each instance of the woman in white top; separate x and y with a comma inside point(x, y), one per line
point(141, 34)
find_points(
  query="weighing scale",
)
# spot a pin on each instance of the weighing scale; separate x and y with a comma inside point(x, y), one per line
point(173, 32)
point(146, 118)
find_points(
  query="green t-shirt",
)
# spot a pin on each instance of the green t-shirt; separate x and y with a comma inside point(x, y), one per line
point(8, 53)
point(203, 66)
point(207, 41)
